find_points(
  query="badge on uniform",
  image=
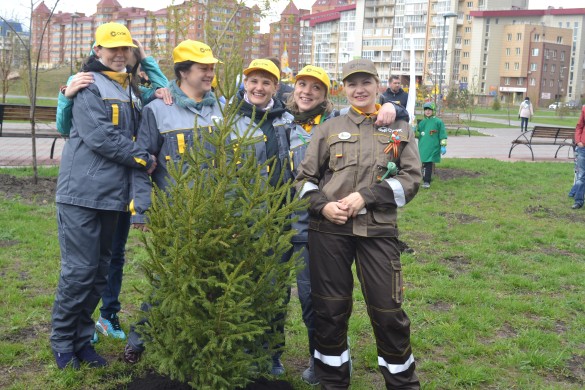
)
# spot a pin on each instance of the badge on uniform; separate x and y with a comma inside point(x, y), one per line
point(344, 135)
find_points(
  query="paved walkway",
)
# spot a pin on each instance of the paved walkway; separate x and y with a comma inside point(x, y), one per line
point(496, 144)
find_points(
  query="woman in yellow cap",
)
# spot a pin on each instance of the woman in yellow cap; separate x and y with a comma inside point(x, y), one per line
point(267, 116)
point(92, 189)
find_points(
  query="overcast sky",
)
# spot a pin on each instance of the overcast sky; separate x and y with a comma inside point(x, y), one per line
point(21, 7)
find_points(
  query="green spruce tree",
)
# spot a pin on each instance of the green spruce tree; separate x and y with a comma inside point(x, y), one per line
point(214, 261)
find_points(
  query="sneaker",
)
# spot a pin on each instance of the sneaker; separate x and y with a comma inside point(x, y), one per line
point(95, 338)
point(577, 206)
point(277, 367)
point(131, 355)
point(426, 185)
point(66, 359)
point(110, 327)
point(308, 376)
point(88, 355)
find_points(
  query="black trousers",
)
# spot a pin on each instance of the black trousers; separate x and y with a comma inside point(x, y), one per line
point(380, 274)
point(427, 171)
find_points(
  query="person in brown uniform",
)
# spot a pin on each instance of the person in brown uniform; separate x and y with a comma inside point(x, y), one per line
point(355, 176)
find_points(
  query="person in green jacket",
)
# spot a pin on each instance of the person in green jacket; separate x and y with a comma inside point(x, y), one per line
point(432, 141)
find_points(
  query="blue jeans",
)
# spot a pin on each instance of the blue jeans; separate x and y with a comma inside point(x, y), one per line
point(111, 294)
point(579, 186)
point(523, 124)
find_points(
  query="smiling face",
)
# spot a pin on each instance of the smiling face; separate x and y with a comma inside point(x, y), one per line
point(361, 90)
point(115, 58)
point(309, 93)
point(196, 81)
point(260, 87)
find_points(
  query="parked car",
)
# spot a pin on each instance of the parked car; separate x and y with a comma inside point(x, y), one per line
point(573, 104)
point(555, 105)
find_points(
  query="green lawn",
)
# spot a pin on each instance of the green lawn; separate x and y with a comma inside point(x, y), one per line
point(494, 292)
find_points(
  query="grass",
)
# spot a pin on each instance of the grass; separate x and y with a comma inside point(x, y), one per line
point(494, 291)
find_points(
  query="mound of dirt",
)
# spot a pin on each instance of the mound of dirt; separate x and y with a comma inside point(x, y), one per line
point(43, 192)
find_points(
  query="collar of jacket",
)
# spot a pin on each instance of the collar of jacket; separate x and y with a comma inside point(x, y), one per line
point(358, 116)
point(185, 101)
point(121, 78)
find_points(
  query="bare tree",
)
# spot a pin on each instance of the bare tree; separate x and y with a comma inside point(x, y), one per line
point(33, 56)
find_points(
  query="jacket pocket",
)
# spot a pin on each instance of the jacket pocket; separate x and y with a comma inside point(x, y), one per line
point(383, 216)
point(397, 290)
point(343, 152)
point(95, 165)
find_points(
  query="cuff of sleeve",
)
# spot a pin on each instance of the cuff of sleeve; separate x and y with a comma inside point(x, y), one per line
point(316, 202)
point(138, 218)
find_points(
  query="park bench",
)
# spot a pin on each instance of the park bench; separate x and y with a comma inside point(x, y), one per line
point(454, 121)
point(44, 115)
point(545, 135)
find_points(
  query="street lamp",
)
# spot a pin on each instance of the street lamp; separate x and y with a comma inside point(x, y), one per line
point(559, 88)
point(73, 17)
point(445, 16)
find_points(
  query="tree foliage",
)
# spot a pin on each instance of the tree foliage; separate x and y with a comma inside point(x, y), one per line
point(214, 262)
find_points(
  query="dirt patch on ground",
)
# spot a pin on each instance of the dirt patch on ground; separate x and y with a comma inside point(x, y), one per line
point(450, 174)
point(155, 381)
point(43, 192)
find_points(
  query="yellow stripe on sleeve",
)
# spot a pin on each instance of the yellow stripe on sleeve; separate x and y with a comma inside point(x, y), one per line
point(140, 161)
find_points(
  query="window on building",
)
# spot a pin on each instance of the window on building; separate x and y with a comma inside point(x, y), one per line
point(517, 51)
point(535, 52)
point(544, 67)
point(553, 67)
point(506, 65)
point(532, 81)
point(465, 54)
point(466, 42)
point(470, 4)
point(506, 81)
point(536, 37)
point(468, 29)
point(516, 66)
point(559, 39)
point(520, 81)
point(508, 51)
point(533, 66)
point(509, 37)
point(518, 36)
point(562, 55)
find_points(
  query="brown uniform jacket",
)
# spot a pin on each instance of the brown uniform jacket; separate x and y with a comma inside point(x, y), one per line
point(346, 154)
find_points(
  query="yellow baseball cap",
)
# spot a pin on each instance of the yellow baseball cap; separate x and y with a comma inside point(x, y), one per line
point(265, 65)
point(195, 51)
point(315, 72)
point(113, 35)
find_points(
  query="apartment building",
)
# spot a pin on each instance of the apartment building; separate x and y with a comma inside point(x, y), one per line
point(12, 51)
point(329, 39)
point(287, 32)
point(564, 78)
point(69, 36)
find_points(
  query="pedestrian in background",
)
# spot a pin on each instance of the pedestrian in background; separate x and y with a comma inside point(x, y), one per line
point(579, 187)
point(432, 141)
point(525, 113)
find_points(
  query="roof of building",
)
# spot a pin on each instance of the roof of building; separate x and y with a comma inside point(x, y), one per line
point(528, 12)
point(327, 16)
point(42, 8)
point(5, 27)
point(108, 3)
